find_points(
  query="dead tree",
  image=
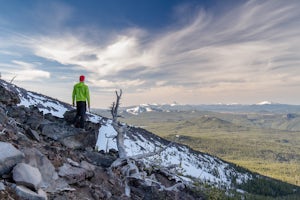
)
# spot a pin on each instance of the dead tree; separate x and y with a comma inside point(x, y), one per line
point(121, 130)
point(129, 166)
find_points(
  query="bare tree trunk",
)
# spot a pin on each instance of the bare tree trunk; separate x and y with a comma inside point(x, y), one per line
point(121, 130)
point(128, 165)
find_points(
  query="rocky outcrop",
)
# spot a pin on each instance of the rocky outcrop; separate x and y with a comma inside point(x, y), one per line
point(28, 176)
point(44, 157)
point(99, 159)
point(8, 97)
point(69, 115)
point(74, 174)
point(58, 131)
point(35, 158)
point(9, 157)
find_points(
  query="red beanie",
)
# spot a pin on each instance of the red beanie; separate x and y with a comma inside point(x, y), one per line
point(81, 78)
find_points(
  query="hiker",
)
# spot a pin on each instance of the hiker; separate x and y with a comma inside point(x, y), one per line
point(82, 95)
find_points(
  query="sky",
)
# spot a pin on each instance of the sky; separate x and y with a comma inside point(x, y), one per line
point(158, 51)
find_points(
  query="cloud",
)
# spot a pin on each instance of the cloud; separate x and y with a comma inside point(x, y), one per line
point(237, 45)
point(122, 53)
point(23, 71)
point(10, 53)
point(231, 44)
point(254, 45)
point(112, 85)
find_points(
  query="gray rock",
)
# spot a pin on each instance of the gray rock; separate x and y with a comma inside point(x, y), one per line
point(73, 163)
point(17, 112)
point(8, 97)
point(9, 157)
point(70, 115)
point(42, 193)
point(81, 140)
point(33, 134)
point(34, 122)
point(87, 166)
point(57, 131)
point(24, 174)
point(98, 159)
point(3, 117)
point(72, 143)
point(51, 182)
point(36, 159)
point(2, 186)
point(27, 194)
point(59, 185)
point(74, 174)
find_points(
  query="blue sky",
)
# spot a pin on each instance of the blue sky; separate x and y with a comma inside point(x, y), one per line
point(158, 51)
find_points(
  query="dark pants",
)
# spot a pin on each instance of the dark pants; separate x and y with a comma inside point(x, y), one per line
point(81, 109)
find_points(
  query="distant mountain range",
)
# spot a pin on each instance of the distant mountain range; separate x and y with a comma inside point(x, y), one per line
point(263, 107)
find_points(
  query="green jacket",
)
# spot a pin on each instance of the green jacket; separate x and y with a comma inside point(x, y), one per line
point(81, 93)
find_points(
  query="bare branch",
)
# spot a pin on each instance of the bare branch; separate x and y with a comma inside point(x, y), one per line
point(115, 106)
point(146, 155)
point(112, 136)
point(3, 131)
point(12, 121)
point(13, 79)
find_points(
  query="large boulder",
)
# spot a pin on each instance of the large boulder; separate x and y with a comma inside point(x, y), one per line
point(25, 193)
point(8, 97)
point(99, 159)
point(74, 174)
point(24, 174)
point(51, 182)
point(70, 115)
point(36, 159)
point(58, 131)
point(9, 157)
point(81, 140)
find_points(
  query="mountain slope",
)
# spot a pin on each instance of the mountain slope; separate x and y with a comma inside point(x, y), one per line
point(186, 165)
point(190, 163)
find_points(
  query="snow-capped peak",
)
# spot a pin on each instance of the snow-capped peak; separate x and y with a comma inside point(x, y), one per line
point(264, 103)
point(139, 109)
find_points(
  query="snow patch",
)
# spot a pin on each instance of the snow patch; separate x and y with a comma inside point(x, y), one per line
point(188, 163)
point(264, 103)
point(44, 104)
point(106, 139)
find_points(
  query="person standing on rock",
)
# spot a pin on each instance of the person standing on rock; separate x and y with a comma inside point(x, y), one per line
point(81, 95)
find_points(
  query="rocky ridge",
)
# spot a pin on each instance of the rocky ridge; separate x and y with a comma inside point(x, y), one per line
point(44, 157)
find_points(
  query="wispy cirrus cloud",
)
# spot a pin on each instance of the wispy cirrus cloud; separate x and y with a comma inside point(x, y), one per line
point(252, 47)
point(24, 71)
point(248, 43)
